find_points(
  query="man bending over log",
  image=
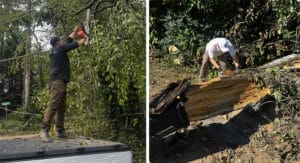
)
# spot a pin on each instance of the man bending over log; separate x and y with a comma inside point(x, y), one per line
point(218, 48)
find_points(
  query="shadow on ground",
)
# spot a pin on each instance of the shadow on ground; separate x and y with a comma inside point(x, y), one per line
point(204, 140)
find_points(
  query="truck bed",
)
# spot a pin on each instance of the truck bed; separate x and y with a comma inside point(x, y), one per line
point(30, 148)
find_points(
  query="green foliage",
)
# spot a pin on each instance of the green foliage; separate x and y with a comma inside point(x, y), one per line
point(181, 32)
point(283, 86)
point(286, 9)
point(19, 123)
point(107, 92)
point(262, 30)
point(277, 95)
point(212, 74)
point(278, 40)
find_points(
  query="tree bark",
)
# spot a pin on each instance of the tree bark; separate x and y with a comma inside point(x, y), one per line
point(27, 62)
point(164, 99)
point(281, 61)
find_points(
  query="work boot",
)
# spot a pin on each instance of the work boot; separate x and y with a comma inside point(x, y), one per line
point(62, 134)
point(44, 135)
point(201, 80)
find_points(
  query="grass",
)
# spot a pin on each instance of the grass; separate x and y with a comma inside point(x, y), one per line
point(17, 125)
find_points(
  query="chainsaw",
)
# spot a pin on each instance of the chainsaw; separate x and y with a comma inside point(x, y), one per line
point(82, 32)
point(84, 29)
point(226, 73)
point(229, 73)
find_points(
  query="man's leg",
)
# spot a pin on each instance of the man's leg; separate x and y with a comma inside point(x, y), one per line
point(60, 115)
point(203, 68)
point(56, 96)
point(223, 61)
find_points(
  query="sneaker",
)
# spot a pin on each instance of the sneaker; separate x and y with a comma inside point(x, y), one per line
point(62, 134)
point(44, 135)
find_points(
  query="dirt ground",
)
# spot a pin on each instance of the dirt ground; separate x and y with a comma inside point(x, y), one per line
point(268, 136)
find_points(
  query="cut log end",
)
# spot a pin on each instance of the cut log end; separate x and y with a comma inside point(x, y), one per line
point(219, 96)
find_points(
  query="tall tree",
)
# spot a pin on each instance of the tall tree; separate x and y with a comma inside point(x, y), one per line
point(27, 71)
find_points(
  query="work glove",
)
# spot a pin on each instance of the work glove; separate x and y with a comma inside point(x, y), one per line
point(81, 41)
point(76, 28)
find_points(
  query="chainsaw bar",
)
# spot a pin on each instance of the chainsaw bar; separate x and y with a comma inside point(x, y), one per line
point(83, 28)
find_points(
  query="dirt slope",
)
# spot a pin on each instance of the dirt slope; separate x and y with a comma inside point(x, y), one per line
point(272, 135)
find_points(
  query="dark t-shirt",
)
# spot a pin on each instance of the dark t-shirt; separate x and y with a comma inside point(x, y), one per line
point(60, 65)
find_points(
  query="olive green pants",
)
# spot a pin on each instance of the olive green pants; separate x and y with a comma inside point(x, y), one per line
point(57, 106)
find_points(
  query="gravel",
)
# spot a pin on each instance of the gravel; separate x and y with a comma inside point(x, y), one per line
point(20, 148)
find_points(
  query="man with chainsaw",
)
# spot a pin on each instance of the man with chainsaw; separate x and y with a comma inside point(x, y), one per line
point(218, 48)
point(59, 77)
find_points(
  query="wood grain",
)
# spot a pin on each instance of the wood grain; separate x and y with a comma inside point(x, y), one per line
point(219, 96)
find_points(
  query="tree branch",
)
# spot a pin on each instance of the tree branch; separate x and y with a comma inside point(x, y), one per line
point(98, 4)
point(36, 38)
point(96, 8)
point(89, 5)
point(106, 7)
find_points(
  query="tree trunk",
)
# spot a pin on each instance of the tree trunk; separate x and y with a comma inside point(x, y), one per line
point(211, 98)
point(27, 62)
point(220, 96)
point(281, 61)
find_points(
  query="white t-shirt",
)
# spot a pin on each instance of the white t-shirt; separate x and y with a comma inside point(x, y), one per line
point(218, 46)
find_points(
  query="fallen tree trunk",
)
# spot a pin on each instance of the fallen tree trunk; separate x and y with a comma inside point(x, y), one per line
point(281, 61)
point(249, 89)
point(295, 65)
point(211, 98)
point(182, 102)
point(219, 96)
point(164, 99)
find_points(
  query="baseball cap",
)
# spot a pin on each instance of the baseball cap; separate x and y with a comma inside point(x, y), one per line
point(54, 40)
point(226, 46)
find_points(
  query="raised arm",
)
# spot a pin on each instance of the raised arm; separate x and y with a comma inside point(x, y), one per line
point(75, 30)
point(73, 45)
point(73, 34)
point(81, 41)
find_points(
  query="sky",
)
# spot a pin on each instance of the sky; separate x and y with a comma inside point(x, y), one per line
point(43, 34)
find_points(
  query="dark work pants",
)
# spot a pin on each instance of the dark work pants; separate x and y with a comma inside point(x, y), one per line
point(57, 106)
point(223, 62)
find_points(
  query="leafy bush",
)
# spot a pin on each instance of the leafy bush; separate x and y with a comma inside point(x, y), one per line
point(261, 30)
point(107, 93)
